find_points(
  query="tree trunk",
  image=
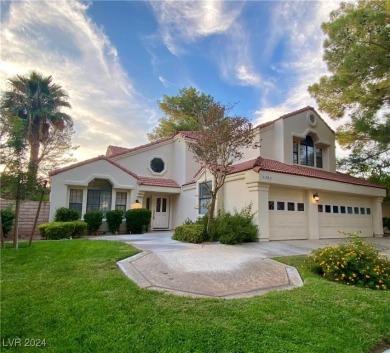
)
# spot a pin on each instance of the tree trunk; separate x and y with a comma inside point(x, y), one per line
point(37, 214)
point(210, 219)
point(2, 235)
point(17, 211)
point(33, 161)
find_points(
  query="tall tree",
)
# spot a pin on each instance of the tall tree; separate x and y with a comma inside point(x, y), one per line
point(219, 143)
point(181, 112)
point(357, 53)
point(38, 102)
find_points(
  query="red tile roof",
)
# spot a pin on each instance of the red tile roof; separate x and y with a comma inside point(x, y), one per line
point(123, 150)
point(278, 167)
point(149, 181)
point(111, 150)
point(88, 161)
point(295, 112)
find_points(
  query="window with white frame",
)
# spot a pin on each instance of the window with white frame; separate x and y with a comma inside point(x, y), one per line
point(204, 196)
point(76, 199)
point(99, 195)
point(121, 201)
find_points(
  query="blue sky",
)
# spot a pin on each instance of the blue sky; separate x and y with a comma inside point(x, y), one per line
point(116, 59)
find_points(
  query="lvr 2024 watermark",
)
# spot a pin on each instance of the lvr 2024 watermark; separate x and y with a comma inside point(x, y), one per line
point(23, 342)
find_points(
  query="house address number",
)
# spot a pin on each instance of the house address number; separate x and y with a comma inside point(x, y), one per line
point(267, 177)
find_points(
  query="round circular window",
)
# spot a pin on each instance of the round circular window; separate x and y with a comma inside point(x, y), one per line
point(157, 165)
point(312, 119)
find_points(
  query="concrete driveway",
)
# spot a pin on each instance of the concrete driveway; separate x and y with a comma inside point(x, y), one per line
point(216, 270)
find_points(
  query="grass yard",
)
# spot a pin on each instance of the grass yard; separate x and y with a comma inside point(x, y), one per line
point(72, 295)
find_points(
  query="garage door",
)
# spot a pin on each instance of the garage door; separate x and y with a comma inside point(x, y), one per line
point(340, 217)
point(287, 220)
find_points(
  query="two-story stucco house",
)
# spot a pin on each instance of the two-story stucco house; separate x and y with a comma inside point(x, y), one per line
point(291, 182)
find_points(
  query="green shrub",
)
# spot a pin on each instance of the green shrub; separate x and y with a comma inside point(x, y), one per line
point(355, 263)
point(64, 214)
point(7, 220)
point(386, 222)
point(234, 228)
point(114, 220)
point(190, 233)
point(94, 219)
point(62, 230)
point(137, 220)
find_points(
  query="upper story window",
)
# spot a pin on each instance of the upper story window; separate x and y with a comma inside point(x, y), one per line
point(306, 153)
point(157, 165)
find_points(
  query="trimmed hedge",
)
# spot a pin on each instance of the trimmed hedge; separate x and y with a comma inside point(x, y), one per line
point(94, 219)
point(7, 220)
point(114, 220)
point(62, 230)
point(190, 233)
point(64, 214)
point(137, 220)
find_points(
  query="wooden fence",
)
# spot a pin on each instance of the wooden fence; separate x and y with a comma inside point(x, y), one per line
point(28, 211)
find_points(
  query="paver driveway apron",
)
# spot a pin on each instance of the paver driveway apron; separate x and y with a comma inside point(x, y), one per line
point(205, 270)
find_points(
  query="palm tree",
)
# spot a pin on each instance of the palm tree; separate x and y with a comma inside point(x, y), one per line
point(38, 102)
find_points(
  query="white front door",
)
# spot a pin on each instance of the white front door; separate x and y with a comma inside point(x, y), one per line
point(160, 213)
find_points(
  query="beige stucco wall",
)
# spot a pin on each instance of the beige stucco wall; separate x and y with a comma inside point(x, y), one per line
point(386, 209)
point(79, 177)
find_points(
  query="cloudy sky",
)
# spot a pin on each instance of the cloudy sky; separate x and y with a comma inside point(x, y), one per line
point(116, 59)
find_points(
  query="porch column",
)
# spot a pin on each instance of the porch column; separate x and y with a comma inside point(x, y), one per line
point(259, 197)
point(312, 226)
point(377, 216)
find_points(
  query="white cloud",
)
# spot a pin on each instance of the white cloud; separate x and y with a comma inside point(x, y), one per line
point(58, 39)
point(182, 21)
point(247, 76)
point(303, 66)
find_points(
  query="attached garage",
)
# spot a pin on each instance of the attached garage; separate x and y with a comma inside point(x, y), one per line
point(338, 215)
point(287, 214)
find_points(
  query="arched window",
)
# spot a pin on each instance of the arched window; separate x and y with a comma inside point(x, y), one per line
point(307, 152)
point(99, 195)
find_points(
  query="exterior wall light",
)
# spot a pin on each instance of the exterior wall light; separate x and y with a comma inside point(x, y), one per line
point(136, 204)
point(316, 197)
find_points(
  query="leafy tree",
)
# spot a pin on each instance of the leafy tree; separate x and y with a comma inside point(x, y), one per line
point(357, 53)
point(181, 112)
point(219, 143)
point(37, 102)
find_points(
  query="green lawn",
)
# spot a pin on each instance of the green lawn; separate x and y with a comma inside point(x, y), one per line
point(72, 295)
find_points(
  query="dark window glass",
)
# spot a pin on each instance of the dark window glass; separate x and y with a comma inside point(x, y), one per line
point(280, 205)
point(99, 195)
point(291, 206)
point(342, 209)
point(320, 208)
point(295, 152)
point(76, 199)
point(368, 211)
point(148, 203)
point(327, 208)
point(157, 165)
point(356, 210)
point(120, 201)
point(319, 157)
point(335, 209)
point(301, 206)
point(349, 210)
point(362, 210)
point(204, 196)
point(271, 205)
point(164, 204)
point(307, 151)
point(158, 204)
